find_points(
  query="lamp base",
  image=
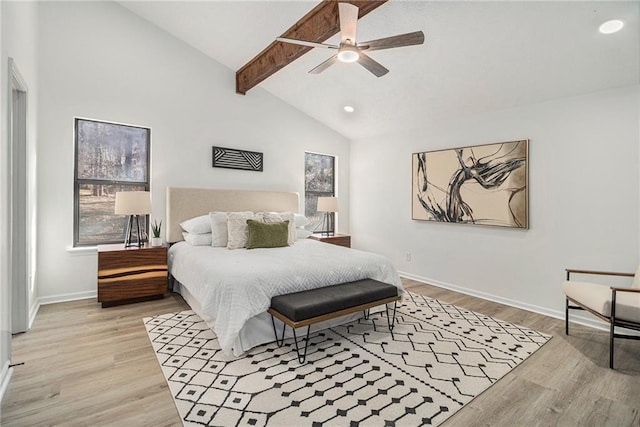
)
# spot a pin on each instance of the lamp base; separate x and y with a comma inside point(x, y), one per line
point(328, 228)
point(128, 238)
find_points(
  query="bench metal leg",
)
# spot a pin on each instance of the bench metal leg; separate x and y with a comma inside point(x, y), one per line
point(280, 342)
point(366, 313)
point(391, 322)
point(302, 358)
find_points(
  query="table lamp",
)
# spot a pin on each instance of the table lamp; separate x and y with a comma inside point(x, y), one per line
point(134, 204)
point(328, 205)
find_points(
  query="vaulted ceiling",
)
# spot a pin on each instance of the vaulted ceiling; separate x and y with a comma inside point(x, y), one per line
point(478, 56)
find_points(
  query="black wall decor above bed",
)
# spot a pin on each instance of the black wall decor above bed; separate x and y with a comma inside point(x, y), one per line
point(230, 158)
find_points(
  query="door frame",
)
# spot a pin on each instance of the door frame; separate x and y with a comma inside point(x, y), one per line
point(19, 230)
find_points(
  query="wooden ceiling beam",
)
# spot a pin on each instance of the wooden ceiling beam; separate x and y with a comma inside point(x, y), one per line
point(318, 25)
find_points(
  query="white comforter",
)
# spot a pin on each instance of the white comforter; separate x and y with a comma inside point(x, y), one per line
point(234, 285)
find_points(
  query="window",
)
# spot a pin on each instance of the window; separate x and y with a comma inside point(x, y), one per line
point(319, 181)
point(109, 157)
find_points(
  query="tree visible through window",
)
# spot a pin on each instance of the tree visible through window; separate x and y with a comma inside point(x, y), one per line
point(109, 157)
point(319, 181)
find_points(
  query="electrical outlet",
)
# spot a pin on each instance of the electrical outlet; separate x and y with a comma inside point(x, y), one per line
point(407, 256)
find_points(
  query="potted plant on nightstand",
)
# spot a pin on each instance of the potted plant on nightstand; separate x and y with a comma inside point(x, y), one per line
point(156, 227)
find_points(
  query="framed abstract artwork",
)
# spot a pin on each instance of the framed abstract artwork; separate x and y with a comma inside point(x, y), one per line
point(230, 158)
point(480, 185)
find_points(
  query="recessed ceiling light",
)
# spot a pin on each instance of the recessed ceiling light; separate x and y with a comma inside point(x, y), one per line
point(611, 27)
point(349, 109)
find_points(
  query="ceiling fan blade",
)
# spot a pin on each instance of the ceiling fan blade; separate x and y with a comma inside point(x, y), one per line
point(408, 39)
point(348, 22)
point(306, 43)
point(373, 66)
point(323, 66)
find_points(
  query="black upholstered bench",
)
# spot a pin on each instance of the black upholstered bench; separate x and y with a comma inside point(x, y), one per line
point(306, 308)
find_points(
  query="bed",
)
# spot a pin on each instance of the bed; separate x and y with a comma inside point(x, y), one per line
point(231, 290)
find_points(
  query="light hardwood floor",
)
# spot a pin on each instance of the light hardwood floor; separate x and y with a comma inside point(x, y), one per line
point(88, 366)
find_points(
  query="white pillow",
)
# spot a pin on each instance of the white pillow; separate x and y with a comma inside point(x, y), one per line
point(197, 225)
point(219, 230)
point(302, 233)
point(197, 239)
point(300, 220)
point(279, 217)
point(237, 229)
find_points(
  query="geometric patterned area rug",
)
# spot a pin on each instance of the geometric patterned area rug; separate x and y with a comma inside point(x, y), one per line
point(439, 358)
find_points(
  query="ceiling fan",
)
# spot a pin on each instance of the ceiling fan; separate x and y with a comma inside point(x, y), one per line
point(351, 51)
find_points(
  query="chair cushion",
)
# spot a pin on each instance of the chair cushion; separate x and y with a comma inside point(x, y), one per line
point(598, 298)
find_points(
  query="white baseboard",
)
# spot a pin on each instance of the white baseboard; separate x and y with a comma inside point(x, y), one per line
point(35, 306)
point(74, 296)
point(592, 322)
point(5, 377)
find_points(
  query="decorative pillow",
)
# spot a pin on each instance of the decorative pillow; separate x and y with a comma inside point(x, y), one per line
point(300, 220)
point(197, 239)
point(302, 233)
point(219, 230)
point(280, 217)
point(237, 229)
point(197, 225)
point(267, 234)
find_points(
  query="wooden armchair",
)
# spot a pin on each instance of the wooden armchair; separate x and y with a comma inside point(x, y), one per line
point(618, 306)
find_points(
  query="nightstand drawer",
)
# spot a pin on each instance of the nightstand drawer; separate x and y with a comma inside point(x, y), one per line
point(131, 275)
point(336, 239)
point(131, 287)
point(131, 258)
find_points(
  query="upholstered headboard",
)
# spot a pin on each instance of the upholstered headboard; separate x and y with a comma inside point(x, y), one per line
point(186, 203)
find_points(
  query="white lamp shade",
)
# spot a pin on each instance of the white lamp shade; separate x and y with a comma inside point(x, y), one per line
point(133, 203)
point(327, 204)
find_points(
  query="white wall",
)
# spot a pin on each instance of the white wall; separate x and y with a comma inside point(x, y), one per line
point(100, 61)
point(583, 183)
point(5, 294)
point(18, 40)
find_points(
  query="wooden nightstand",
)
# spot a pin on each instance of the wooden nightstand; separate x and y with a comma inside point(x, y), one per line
point(132, 274)
point(336, 239)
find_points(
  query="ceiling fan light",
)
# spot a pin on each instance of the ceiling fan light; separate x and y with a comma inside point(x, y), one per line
point(348, 55)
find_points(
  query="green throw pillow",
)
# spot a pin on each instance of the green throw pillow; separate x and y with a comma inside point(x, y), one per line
point(267, 234)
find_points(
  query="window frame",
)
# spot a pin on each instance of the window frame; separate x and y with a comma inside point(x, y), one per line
point(332, 221)
point(78, 182)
